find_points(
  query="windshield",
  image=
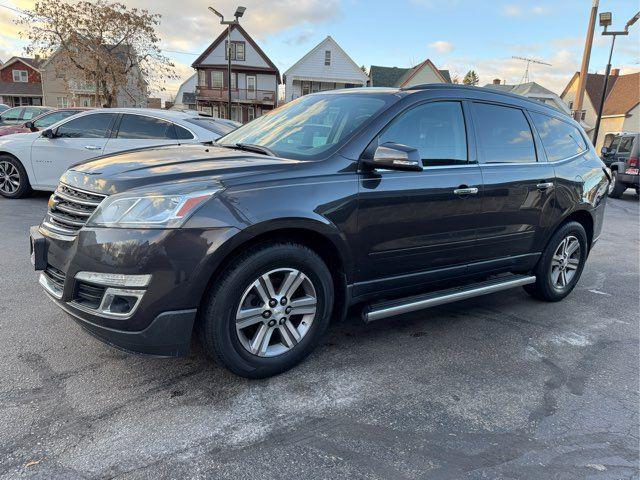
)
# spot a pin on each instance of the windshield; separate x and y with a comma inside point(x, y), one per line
point(310, 127)
point(212, 125)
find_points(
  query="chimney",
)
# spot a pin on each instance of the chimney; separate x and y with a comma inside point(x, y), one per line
point(496, 81)
point(615, 72)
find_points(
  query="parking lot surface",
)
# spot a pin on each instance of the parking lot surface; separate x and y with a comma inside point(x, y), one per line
point(497, 387)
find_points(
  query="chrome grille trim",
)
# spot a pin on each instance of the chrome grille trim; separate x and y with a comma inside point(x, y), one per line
point(69, 209)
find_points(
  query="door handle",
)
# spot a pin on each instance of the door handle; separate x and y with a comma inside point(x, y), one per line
point(92, 147)
point(466, 191)
point(544, 185)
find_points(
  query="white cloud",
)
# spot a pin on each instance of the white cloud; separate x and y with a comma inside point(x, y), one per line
point(441, 46)
point(516, 10)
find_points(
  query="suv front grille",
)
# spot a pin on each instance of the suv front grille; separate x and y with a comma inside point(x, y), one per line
point(69, 209)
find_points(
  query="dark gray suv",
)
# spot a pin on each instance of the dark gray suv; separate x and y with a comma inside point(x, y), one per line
point(394, 200)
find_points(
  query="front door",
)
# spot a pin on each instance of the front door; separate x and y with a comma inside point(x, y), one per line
point(517, 205)
point(140, 131)
point(78, 139)
point(415, 227)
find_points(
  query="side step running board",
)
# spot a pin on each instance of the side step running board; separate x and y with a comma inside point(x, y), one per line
point(378, 311)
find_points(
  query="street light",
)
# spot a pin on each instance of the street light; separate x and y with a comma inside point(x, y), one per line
point(239, 13)
point(605, 21)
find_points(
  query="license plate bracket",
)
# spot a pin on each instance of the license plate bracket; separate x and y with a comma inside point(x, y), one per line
point(37, 249)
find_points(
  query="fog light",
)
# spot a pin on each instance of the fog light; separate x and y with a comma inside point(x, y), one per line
point(119, 302)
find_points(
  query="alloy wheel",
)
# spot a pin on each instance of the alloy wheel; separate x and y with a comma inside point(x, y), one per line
point(276, 312)
point(9, 178)
point(565, 262)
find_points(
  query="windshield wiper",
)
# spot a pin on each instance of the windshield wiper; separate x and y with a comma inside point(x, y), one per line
point(250, 147)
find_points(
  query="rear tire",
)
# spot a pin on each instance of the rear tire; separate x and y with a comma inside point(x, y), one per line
point(561, 264)
point(14, 182)
point(617, 188)
point(268, 310)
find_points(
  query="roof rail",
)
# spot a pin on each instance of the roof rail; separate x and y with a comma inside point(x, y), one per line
point(455, 86)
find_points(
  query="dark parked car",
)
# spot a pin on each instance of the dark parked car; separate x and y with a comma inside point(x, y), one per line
point(43, 121)
point(17, 115)
point(621, 156)
point(395, 200)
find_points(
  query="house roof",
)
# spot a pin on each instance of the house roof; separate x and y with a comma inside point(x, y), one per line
point(624, 95)
point(223, 36)
point(21, 88)
point(328, 39)
point(399, 77)
point(623, 91)
point(32, 62)
point(385, 76)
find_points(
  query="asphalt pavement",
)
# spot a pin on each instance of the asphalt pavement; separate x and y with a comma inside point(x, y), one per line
point(502, 386)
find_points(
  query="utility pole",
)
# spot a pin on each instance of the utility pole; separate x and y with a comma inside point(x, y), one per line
point(584, 69)
point(239, 12)
point(605, 21)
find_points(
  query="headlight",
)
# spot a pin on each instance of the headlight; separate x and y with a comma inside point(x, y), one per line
point(148, 210)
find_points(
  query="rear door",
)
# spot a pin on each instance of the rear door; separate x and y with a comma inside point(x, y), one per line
point(517, 204)
point(413, 225)
point(139, 131)
point(78, 139)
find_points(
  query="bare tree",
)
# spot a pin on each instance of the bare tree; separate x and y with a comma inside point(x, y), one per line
point(106, 45)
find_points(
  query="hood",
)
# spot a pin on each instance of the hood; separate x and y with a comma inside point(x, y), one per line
point(145, 167)
point(18, 139)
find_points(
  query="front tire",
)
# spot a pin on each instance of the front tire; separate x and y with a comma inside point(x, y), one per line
point(14, 182)
point(268, 310)
point(561, 264)
point(617, 188)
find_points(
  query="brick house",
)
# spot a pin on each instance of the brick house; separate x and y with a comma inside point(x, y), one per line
point(254, 78)
point(21, 82)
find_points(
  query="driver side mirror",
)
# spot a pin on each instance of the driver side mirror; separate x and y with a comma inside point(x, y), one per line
point(395, 156)
point(30, 126)
point(604, 151)
point(48, 133)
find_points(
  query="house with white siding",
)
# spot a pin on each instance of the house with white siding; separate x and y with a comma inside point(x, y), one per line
point(325, 67)
point(254, 78)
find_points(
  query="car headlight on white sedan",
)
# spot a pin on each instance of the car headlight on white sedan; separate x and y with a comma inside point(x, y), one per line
point(152, 209)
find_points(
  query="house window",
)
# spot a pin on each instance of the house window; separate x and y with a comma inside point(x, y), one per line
point(327, 57)
point(251, 114)
point(234, 80)
point(86, 102)
point(240, 51)
point(570, 105)
point(217, 79)
point(62, 102)
point(202, 78)
point(237, 51)
point(20, 76)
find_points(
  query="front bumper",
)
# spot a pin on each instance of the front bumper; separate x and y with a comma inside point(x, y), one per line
point(160, 321)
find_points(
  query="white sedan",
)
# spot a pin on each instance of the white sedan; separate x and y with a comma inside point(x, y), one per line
point(37, 160)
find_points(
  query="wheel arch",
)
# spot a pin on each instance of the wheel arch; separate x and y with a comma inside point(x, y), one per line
point(315, 235)
point(4, 153)
point(585, 218)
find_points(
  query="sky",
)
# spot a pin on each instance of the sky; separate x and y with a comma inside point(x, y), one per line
point(458, 35)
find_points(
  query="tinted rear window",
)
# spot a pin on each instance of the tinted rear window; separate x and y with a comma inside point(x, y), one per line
point(504, 135)
point(560, 139)
point(145, 128)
